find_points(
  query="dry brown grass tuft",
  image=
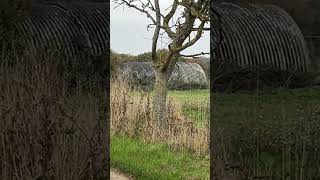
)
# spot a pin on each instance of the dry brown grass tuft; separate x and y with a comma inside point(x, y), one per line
point(48, 131)
point(131, 115)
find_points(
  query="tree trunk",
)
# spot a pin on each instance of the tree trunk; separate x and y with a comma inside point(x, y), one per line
point(160, 97)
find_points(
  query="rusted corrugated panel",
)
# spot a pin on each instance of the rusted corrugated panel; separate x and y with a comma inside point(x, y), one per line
point(72, 28)
point(256, 35)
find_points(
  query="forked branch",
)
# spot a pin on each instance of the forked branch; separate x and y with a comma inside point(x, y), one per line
point(179, 29)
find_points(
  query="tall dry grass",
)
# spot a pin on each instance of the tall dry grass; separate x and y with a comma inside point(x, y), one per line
point(47, 129)
point(132, 116)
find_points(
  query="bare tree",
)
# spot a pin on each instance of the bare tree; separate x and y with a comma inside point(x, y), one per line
point(183, 30)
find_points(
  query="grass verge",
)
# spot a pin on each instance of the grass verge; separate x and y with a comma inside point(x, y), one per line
point(155, 161)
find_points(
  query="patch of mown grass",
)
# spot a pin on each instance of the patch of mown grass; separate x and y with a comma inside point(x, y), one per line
point(201, 96)
point(155, 161)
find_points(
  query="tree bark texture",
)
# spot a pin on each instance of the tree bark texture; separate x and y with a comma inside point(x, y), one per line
point(160, 97)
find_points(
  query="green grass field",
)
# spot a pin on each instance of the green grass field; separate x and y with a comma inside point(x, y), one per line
point(156, 161)
point(281, 105)
point(274, 134)
point(195, 104)
point(197, 97)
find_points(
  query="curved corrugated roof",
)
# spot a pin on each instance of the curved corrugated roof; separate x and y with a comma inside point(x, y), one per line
point(304, 12)
point(183, 76)
point(260, 34)
point(73, 28)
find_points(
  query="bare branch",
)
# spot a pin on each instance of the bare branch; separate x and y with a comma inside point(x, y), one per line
point(156, 32)
point(184, 30)
point(167, 18)
point(204, 29)
point(149, 25)
point(142, 9)
point(195, 55)
point(194, 40)
point(178, 31)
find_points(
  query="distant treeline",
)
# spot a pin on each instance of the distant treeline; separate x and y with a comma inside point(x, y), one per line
point(119, 58)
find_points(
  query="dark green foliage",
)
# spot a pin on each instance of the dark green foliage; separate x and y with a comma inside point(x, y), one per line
point(228, 77)
point(116, 59)
point(143, 57)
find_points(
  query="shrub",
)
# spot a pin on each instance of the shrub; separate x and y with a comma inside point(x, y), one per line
point(131, 115)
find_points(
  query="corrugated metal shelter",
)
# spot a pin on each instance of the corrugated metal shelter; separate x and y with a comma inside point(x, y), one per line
point(73, 28)
point(255, 35)
point(183, 76)
point(305, 12)
point(76, 33)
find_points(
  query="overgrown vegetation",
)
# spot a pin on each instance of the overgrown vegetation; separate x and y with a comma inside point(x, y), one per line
point(131, 115)
point(133, 125)
point(47, 129)
point(271, 135)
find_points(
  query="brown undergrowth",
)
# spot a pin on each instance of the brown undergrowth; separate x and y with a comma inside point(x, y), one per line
point(47, 130)
point(131, 115)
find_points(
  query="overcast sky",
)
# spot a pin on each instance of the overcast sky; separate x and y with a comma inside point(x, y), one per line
point(129, 32)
